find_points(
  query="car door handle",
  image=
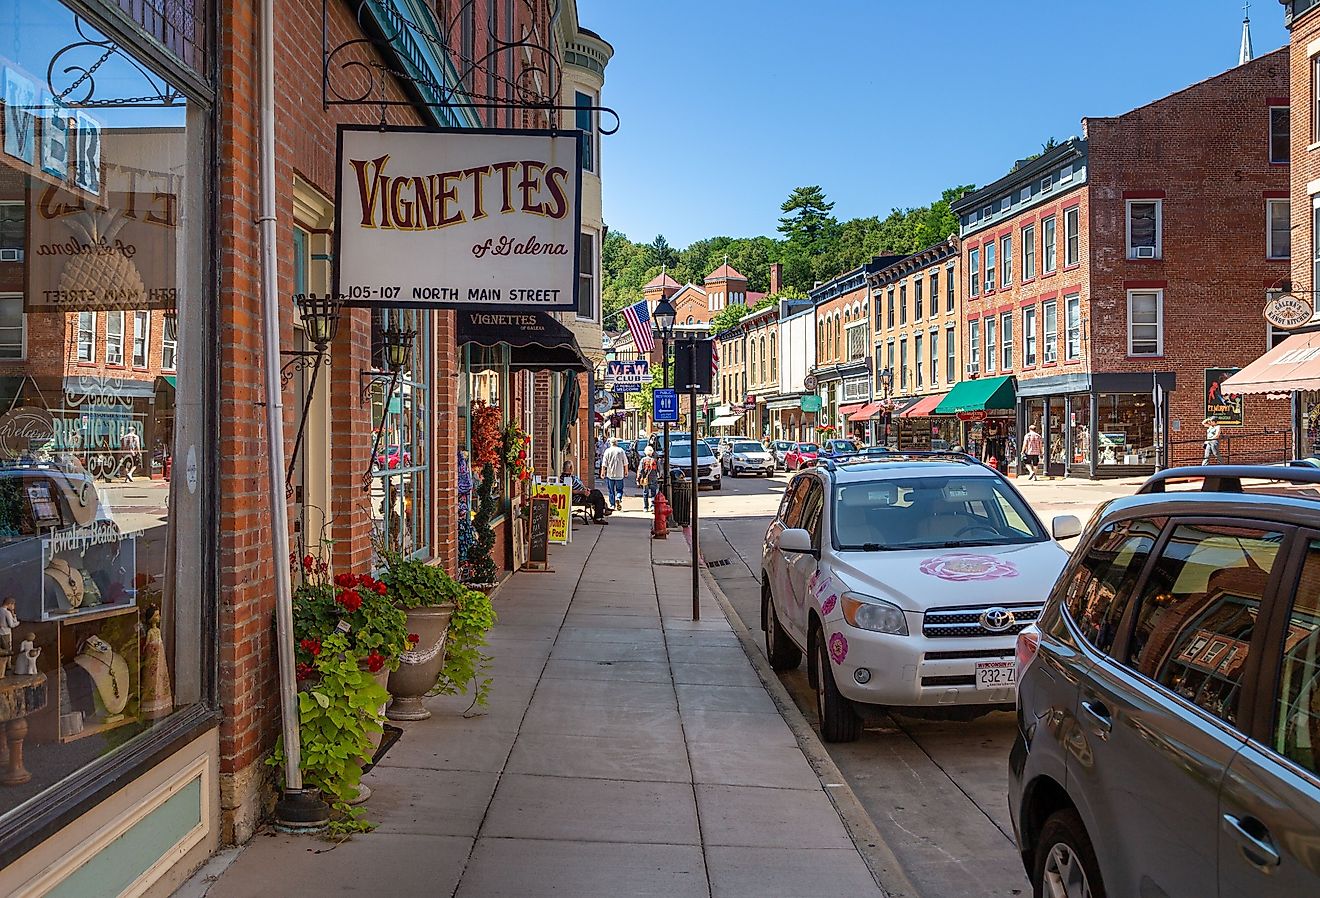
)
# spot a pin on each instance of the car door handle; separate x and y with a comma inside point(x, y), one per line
point(1099, 715)
point(1257, 849)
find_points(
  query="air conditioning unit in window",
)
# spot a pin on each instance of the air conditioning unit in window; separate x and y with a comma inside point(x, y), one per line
point(12, 254)
point(1145, 252)
point(973, 369)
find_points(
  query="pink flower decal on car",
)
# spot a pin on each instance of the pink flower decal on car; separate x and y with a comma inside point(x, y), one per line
point(828, 605)
point(838, 647)
point(963, 566)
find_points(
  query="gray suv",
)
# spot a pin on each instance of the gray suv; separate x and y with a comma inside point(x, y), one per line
point(1169, 696)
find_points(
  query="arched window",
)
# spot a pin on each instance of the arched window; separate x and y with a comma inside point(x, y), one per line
point(752, 364)
point(774, 355)
point(691, 320)
point(821, 337)
point(838, 351)
point(763, 355)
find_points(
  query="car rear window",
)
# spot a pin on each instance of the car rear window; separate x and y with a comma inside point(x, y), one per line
point(930, 512)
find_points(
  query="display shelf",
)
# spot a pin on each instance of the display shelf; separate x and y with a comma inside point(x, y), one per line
point(92, 729)
point(61, 638)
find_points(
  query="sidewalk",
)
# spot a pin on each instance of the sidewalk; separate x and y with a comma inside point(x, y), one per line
point(626, 750)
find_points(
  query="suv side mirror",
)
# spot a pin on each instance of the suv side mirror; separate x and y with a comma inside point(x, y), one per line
point(1066, 526)
point(798, 541)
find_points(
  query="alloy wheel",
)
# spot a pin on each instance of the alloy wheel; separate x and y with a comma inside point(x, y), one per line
point(1064, 876)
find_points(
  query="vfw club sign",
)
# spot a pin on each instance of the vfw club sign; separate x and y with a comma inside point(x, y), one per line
point(476, 218)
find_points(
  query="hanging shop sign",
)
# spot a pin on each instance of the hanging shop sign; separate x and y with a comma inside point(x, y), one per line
point(975, 415)
point(1224, 408)
point(444, 218)
point(1288, 311)
point(627, 377)
point(811, 403)
point(603, 402)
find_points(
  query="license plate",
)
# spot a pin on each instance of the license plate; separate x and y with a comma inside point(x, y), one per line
point(996, 675)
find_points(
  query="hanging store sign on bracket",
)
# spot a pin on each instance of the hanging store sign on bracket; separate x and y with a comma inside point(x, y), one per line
point(458, 218)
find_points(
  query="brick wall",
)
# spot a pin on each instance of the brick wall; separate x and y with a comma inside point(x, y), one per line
point(1204, 152)
point(1305, 167)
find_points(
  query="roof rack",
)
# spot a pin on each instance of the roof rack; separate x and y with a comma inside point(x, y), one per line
point(1228, 478)
point(879, 454)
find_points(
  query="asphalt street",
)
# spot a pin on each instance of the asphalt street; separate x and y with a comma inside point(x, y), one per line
point(936, 789)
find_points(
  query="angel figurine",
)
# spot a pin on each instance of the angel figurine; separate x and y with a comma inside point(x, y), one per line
point(8, 621)
point(25, 665)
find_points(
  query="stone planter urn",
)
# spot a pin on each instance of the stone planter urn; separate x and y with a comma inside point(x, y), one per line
point(419, 668)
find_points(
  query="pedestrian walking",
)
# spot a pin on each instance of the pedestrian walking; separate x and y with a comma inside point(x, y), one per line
point(1211, 441)
point(648, 477)
point(613, 468)
point(130, 444)
point(1033, 447)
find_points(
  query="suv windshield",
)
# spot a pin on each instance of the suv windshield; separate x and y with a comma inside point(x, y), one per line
point(748, 447)
point(681, 452)
point(808, 447)
point(931, 513)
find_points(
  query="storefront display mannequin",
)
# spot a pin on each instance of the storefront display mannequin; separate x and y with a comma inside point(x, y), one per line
point(109, 672)
point(157, 697)
point(68, 590)
point(8, 621)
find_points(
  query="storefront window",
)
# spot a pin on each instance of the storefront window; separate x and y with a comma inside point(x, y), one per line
point(1308, 405)
point(105, 219)
point(1081, 428)
point(400, 490)
point(1125, 429)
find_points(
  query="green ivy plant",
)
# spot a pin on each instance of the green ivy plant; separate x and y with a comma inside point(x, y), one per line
point(466, 662)
point(416, 584)
point(377, 628)
point(338, 716)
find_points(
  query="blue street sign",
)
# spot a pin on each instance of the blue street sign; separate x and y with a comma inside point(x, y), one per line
point(665, 406)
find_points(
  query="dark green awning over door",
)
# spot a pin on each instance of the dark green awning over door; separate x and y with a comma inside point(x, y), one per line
point(982, 394)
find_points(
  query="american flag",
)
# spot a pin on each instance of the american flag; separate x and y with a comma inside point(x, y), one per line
point(639, 324)
point(714, 361)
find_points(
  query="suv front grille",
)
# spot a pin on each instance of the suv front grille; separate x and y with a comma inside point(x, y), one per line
point(948, 623)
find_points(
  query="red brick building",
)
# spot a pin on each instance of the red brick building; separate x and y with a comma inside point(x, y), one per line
point(1129, 269)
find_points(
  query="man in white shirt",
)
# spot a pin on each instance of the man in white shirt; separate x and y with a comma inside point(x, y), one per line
point(1211, 441)
point(613, 468)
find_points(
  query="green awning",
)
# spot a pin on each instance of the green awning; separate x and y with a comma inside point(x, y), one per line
point(978, 395)
point(171, 380)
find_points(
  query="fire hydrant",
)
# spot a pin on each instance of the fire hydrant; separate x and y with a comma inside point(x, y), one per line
point(660, 529)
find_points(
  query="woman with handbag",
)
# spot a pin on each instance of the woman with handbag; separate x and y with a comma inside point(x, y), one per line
point(648, 477)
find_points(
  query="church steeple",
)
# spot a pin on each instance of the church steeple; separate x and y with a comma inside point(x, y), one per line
point(1245, 54)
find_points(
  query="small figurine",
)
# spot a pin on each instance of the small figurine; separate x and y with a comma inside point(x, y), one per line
point(25, 665)
point(8, 621)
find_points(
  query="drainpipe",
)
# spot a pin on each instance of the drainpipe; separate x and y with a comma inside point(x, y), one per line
point(296, 809)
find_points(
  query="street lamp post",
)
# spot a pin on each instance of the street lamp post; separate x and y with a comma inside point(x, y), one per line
point(663, 316)
point(886, 384)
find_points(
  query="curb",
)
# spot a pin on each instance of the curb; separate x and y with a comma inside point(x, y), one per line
point(870, 844)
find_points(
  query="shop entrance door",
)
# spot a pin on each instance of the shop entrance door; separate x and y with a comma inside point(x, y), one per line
point(1058, 442)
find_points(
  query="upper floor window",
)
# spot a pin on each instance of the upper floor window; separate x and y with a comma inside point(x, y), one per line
point(934, 357)
point(902, 364)
point(586, 123)
point(1145, 322)
point(114, 338)
point(891, 307)
point(13, 231)
point(87, 336)
point(1047, 245)
point(990, 266)
point(1315, 99)
point(1029, 336)
point(917, 358)
point(1006, 340)
point(1072, 323)
point(917, 303)
point(902, 304)
point(1278, 240)
point(1049, 315)
point(13, 330)
point(141, 338)
point(973, 347)
point(1006, 260)
point(774, 355)
point(1028, 252)
point(586, 275)
point(974, 272)
point(951, 354)
point(934, 293)
point(948, 291)
point(1280, 122)
point(1072, 235)
point(1145, 222)
point(991, 344)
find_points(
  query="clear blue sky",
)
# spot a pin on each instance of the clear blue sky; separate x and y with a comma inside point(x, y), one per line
point(729, 104)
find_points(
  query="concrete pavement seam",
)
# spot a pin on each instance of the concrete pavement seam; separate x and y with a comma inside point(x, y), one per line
point(870, 844)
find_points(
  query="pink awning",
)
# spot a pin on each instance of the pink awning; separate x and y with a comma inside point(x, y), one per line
point(1292, 365)
point(864, 412)
point(846, 411)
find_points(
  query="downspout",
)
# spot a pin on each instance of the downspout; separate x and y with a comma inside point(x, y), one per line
point(296, 809)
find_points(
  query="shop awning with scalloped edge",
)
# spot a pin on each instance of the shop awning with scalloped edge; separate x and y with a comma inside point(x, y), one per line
point(982, 394)
point(864, 412)
point(1292, 365)
point(536, 340)
point(925, 406)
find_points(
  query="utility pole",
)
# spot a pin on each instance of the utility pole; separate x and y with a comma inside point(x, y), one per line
point(696, 481)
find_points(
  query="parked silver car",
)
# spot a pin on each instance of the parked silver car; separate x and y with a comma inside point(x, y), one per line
point(1169, 696)
point(747, 457)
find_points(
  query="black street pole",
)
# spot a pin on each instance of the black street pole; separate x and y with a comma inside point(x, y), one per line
point(664, 364)
point(696, 482)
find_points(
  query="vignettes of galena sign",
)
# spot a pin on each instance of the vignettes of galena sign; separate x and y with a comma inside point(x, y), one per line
point(475, 218)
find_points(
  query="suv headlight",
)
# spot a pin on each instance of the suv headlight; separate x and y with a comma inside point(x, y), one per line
point(867, 613)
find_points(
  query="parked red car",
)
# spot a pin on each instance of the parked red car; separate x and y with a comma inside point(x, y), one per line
point(800, 455)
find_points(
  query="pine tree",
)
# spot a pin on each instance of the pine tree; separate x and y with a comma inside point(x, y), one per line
point(480, 562)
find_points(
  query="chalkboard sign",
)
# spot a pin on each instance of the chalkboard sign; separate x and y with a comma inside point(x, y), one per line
point(539, 534)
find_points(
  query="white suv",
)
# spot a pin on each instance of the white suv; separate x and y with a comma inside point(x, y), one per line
point(905, 578)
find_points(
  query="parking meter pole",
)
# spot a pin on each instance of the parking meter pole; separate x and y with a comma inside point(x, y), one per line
point(696, 484)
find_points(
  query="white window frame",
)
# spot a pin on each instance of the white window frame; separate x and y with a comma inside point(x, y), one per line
point(917, 361)
point(934, 356)
point(22, 327)
point(974, 266)
point(1072, 236)
point(951, 354)
point(143, 338)
point(1072, 349)
point(1159, 323)
point(1049, 254)
point(594, 274)
point(1271, 251)
point(1006, 260)
point(592, 135)
point(1159, 226)
point(1006, 341)
point(990, 252)
point(90, 356)
point(974, 346)
point(1028, 252)
point(1030, 343)
point(991, 328)
point(117, 356)
point(1049, 341)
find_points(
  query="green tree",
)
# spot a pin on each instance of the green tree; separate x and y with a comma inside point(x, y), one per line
point(807, 221)
point(727, 317)
point(660, 252)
